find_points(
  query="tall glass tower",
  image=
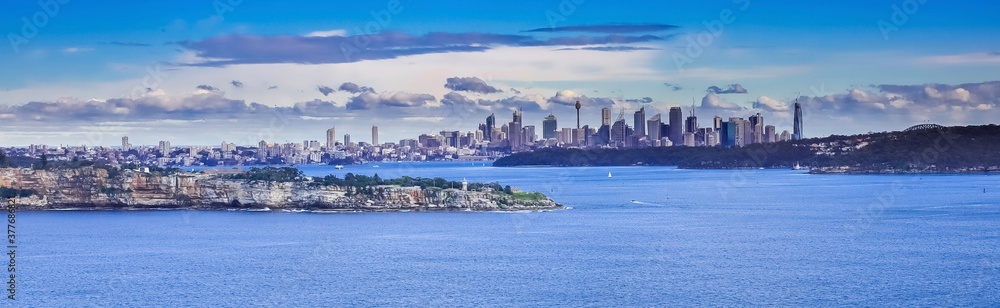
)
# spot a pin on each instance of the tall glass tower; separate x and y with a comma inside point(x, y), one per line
point(797, 129)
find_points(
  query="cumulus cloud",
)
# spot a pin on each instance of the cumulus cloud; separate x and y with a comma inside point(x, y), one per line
point(146, 107)
point(236, 83)
point(904, 105)
point(470, 84)
point(713, 101)
point(354, 88)
point(569, 98)
point(770, 104)
point(527, 103)
point(368, 100)
point(732, 89)
point(254, 49)
point(609, 28)
point(325, 90)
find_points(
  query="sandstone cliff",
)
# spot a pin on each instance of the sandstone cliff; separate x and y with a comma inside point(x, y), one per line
point(92, 188)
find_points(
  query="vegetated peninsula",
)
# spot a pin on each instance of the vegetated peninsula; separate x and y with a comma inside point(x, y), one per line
point(920, 149)
point(269, 188)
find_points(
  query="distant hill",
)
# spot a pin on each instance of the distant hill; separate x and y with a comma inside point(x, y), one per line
point(925, 149)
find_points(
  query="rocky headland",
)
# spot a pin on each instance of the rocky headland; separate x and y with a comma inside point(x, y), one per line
point(95, 188)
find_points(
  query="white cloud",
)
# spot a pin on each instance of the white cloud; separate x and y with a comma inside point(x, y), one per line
point(979, 58)
point(770, 104)
point(77, 49)
point(328, 33)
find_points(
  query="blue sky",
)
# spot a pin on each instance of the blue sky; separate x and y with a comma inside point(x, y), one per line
point(96, 70)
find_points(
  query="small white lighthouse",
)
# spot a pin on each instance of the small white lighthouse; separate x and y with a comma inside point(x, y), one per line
point(465, 184)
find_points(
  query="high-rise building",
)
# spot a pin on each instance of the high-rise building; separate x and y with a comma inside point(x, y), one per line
point(755, 121)
point(566, 135)
point(758, 133)
point(769, 135)
point(125, 145)
point(331, 139)
point(716, 123)
point(653, 127)
point(347, 140)
point(689, 139)
point(727, 134)
point(691, 124)
point(374, 135)
point(797, 134)
point(164, 148)
point(676, 125)
point(785, 136)
point(639, 122)
point(491, 123)
point(262, 150)
point(514, 134)
point(606, 116)
point(739, 131)
point(529, 134)
point(620, 132)
point(549, 126)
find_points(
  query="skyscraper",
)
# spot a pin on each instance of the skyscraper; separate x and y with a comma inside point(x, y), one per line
point(606, 117)
point(331, 139)
point(739, 131)
point(797, 134)
point(758, 132)
point(769, 134)
point(620, 132)
point(716, 123)
point(639, 122)
point(491, 123)
point(691, 124)
point(727, 134)
point(529, 134)
point(549, 126)
point(676, 125)
point(653, 127)
point(374, 135)
point(515, 133)
point(125, 145)
point(164, 148)
point(347, 140)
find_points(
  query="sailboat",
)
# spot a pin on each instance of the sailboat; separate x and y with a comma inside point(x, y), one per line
point(797, 166)
point(609, 174)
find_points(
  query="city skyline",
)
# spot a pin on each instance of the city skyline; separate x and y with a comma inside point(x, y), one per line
point(185, 73)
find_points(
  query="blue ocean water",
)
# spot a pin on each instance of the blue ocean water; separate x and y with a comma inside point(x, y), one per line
point(646, 236)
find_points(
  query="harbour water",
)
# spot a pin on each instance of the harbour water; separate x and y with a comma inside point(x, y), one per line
point(647, 236)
